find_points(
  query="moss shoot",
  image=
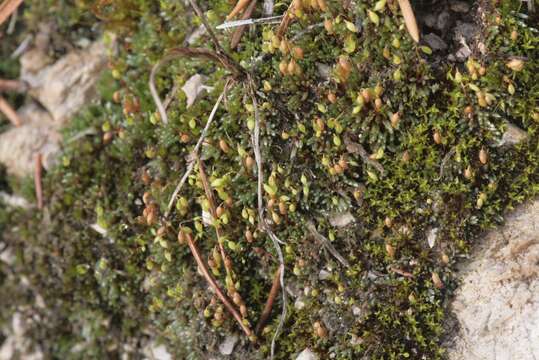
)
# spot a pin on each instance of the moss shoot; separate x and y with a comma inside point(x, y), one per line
point(358, 122)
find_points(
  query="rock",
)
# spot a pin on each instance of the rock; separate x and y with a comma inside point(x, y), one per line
point(513, 135)
point(195, 35)
point(14, 201)
point(324, 71)
point(435, 42)
point(356, 340)
point(430, 20)
point(18, 145)
point(465, 30)
point(193, 87)
point(497, 305)
point(227, 346)
point(68, 84)
point(160, 353)
point(16, 345)
point(34, 60)
point(267, 8)
point(464, 51)
point(443, 21)
point(324, 275)
point(299, 303)
point(432, 234)
point(341, 219)
point(152, 351)
point(307, 354)
point(459, 6)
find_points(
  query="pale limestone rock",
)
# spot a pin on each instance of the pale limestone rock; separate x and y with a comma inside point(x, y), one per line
point(227, 346)
point(307, 354)
point(18, 145)
point(68, 84)
point(497, 304)
point(152, 351)
point(341, 219)
point(194, 87)
point(513, 135)
point(62, 88)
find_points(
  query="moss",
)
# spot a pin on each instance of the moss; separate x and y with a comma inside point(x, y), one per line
point(132, 283)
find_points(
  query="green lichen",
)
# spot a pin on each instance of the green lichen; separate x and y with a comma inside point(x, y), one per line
point(108, 291)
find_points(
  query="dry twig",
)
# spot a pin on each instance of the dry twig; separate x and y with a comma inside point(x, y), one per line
point(194, 153)
point(402, 272)
point(275, 287)
point(285, 22)
point(326, 243)
point(213, 212)
point(202, 17)
point(38, 169)
point(9, 112)
point(187, 52)
point(7, 8)
point(240, 5)
point(12, 85)
point(355, 148)
point(255, 138)
point(213, 283)
point(236, 37)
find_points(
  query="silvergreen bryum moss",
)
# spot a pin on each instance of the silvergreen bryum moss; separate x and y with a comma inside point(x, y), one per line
point(430, 129)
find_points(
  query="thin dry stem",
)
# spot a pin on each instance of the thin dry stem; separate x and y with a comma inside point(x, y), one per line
point(264, 225)
point(9, 112)
point(7, 8)
point(202, 17)
point(213, 212)
point(275, 287)
point(285, 22)
point(38, 169)
point(187, 52)
point(195, 153)
point(326, 243)
point(213, 283)
point(240, 5)
point(236, 37)
point(402, 272)
point(355, 148)
point(12, 85)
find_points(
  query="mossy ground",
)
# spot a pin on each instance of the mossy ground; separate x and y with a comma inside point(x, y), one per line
point(111, 292)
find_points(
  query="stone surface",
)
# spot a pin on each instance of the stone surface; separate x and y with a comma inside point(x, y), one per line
point(435, 42)
point(497, 304)
point(227, 346)
point(194, 87)
point(459, 6)
point(61, 88)
point(513, 135)
point(465, 30)
point(18, 145)
point(443, 22)
point(341, 219)
point(16, 346)
point(152, 351)
point(307, 354)
point(66, 85)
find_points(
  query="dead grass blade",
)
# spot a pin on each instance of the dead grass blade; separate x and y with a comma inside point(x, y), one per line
point(409, 19)
point(236, 37)
point(7, 8)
